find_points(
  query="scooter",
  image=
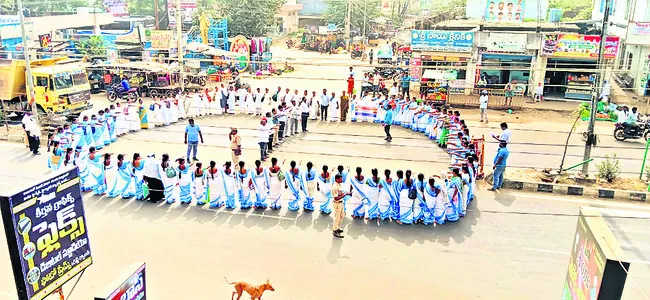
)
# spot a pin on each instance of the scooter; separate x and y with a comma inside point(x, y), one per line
point(623, 132)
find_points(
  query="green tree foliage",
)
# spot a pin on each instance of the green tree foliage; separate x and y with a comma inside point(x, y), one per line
point(247, 17)
point(337, 12)
point(93, 45)
point(146, 7)
point(573, 9)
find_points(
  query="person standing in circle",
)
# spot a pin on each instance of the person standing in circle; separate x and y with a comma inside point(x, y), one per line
point(235, 146)
point(338, 195)
point(192, 135)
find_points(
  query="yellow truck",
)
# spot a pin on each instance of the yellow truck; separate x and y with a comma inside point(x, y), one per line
point(60, 88)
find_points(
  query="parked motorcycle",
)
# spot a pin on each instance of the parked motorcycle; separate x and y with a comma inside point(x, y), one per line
point(290, 43)
point(623, 132)
point(116, 91)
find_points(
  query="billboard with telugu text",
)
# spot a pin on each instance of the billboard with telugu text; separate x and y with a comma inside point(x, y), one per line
point(45, 226)
point(437, 40)
point(578, 46)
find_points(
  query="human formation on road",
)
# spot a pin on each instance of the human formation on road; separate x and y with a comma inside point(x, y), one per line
point(407, 199)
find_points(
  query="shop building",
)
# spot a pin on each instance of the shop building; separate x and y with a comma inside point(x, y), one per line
point(572, 64)
point(506, 57)
point(439, 53)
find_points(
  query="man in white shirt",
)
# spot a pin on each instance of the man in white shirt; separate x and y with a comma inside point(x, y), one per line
point(34, 135)
point(304, 113)
point(324, 105)
point(282, 118)
point(294, 111)
point(258, 102)
point(393, 90)
point(375, 83)
point(505, 134)
point(483, 104)
point(621, 114)
point(314, 106)
point(287, 96)
point(263, 132)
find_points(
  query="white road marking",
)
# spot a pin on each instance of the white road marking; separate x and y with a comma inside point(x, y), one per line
point(590, 202)
point(545, 251)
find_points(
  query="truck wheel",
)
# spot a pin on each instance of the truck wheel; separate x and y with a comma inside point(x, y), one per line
point(154, 94)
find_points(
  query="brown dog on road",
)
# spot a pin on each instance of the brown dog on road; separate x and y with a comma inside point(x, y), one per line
point(255, 291)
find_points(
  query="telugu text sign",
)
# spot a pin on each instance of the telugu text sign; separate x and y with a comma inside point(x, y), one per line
point(638, 33)
point(435, 40)
point(46, 233)
point(133, 288)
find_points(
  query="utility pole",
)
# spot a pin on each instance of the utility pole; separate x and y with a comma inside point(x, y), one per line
point(347, 24)
point(591, 137)
point(155, 8)
point(28, 66)
point(179, 44)
point(365, 17)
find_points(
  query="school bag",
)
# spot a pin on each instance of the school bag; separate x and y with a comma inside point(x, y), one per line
point(170, 172)
point(413, 193)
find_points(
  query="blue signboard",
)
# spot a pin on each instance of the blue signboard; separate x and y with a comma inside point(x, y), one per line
point(435, 40)
point(46, 233)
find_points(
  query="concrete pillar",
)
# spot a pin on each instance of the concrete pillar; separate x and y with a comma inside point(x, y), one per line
point(538, 71)
point(470, 78)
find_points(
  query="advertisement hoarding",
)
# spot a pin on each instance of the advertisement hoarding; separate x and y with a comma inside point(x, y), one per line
point(597, 267)
point(505, 11)
point(119, 8)
point(507, 42)
point(436, 40)
point(578, 46)
point(188, 9)
point(45, 226)
point(133, 288)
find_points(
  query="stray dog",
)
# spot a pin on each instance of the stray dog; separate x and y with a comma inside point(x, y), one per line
point(255, 291)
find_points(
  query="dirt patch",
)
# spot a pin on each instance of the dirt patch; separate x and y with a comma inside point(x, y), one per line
point(534, 175)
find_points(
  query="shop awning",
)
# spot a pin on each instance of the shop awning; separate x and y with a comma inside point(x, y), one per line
point(445, 56)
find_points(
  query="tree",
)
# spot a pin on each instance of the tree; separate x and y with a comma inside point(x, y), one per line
point(146, 7)
point(247, 17)
point(337, 11)
point(573, 9)
point(93, 45)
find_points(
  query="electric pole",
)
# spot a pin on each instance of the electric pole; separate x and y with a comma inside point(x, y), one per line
point(591, 137)
point(179, 44)
point(155, 8)
point(28, 63)
point(347, 24)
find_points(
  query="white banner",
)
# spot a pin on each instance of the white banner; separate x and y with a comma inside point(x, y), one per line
point(506, 42)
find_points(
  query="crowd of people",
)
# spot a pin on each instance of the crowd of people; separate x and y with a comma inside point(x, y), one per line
point(406, 199)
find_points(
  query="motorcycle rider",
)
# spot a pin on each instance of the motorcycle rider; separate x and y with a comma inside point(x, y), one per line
point(632, 119)
point(125, 84)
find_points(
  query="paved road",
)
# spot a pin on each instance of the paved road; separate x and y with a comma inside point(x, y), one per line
point(509, 246)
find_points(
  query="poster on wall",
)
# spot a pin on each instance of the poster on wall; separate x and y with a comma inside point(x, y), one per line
point(240, 46)
point(133, 288)
point(46, 232)
point(415, 69)
point(188, 9)
point(45, 40)
point(578, 46)
point(504, 11)
point(119, 8)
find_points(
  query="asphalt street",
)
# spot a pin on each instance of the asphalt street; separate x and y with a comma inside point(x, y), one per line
point(509, 246)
